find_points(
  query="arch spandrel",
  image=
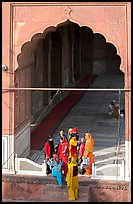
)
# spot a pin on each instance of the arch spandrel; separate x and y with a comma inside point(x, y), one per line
point(112, 27)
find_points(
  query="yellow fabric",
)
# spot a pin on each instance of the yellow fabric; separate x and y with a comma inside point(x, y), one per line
point(73, 194)
point(72, 142)
point(72, 182)
point(69, 133)
point(70, 172)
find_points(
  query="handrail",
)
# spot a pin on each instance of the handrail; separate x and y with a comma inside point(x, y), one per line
point(65, 89)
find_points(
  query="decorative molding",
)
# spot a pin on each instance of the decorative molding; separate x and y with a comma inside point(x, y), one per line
point(68, 10)
point(69, 3)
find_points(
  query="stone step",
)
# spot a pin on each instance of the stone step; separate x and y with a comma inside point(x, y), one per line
point(57, 194)
point(33, 156)
point(64, 199)
point(55, 188)
point(36, 156)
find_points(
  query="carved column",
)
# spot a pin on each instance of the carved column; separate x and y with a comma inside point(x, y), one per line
point(49, 67)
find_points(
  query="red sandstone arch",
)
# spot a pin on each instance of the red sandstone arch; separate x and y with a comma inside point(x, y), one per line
point(38, 36)
point(90, 19)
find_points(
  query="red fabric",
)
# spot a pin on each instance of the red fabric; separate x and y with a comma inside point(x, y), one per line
point(75, 171)
point(65, 165)
point(47, 149)
point(75, 130)
point(63, 151)
point(53, 119)
point(64, 138)
point(73, 150)
point(81, 150)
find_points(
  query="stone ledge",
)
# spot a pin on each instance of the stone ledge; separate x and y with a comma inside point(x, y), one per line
point(83, 181)
point(42, 189)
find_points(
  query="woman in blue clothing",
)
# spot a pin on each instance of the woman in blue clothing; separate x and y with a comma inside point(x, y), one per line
point(56, 165)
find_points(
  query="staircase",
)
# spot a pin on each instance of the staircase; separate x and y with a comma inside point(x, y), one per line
point(56, 194)
point(37, 156)
point(91, 113)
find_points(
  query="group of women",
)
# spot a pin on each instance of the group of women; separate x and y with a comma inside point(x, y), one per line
point(69, 153)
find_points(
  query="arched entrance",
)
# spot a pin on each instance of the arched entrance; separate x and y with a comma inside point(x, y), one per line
point(109, 19)
point(58, 57)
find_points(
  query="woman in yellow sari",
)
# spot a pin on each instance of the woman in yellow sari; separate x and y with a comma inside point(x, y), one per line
point(72, 179)
point(89, 145)
point(73, 147)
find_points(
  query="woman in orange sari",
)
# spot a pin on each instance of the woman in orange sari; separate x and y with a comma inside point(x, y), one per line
point(89, 145)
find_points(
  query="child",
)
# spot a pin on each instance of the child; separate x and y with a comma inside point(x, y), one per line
point(81, 153)
point(56, 164)
point(63, 151)
point(61, 135)
point(81, 149)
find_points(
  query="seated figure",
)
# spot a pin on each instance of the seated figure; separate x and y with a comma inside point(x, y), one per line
point(114, 109)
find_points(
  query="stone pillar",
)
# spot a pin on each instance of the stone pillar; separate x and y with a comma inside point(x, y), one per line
point(128, 97)
point(73, 80)
point(49, 68)
point(7, 96)
point(80, 68)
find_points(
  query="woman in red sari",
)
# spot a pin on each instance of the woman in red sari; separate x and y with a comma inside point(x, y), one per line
point(63, 151)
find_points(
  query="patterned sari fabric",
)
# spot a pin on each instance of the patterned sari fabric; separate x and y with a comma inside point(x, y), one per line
point(72, 179)
point(89, 145)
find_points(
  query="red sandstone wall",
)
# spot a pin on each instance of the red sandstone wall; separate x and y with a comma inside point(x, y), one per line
point(107, 19)
point(34, 188)
point(108, 195)
point(36, 192)
point(112, 20)
point(5, 60)
point(22, 191)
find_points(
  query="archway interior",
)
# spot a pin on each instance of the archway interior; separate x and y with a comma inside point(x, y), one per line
point(60, 57)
